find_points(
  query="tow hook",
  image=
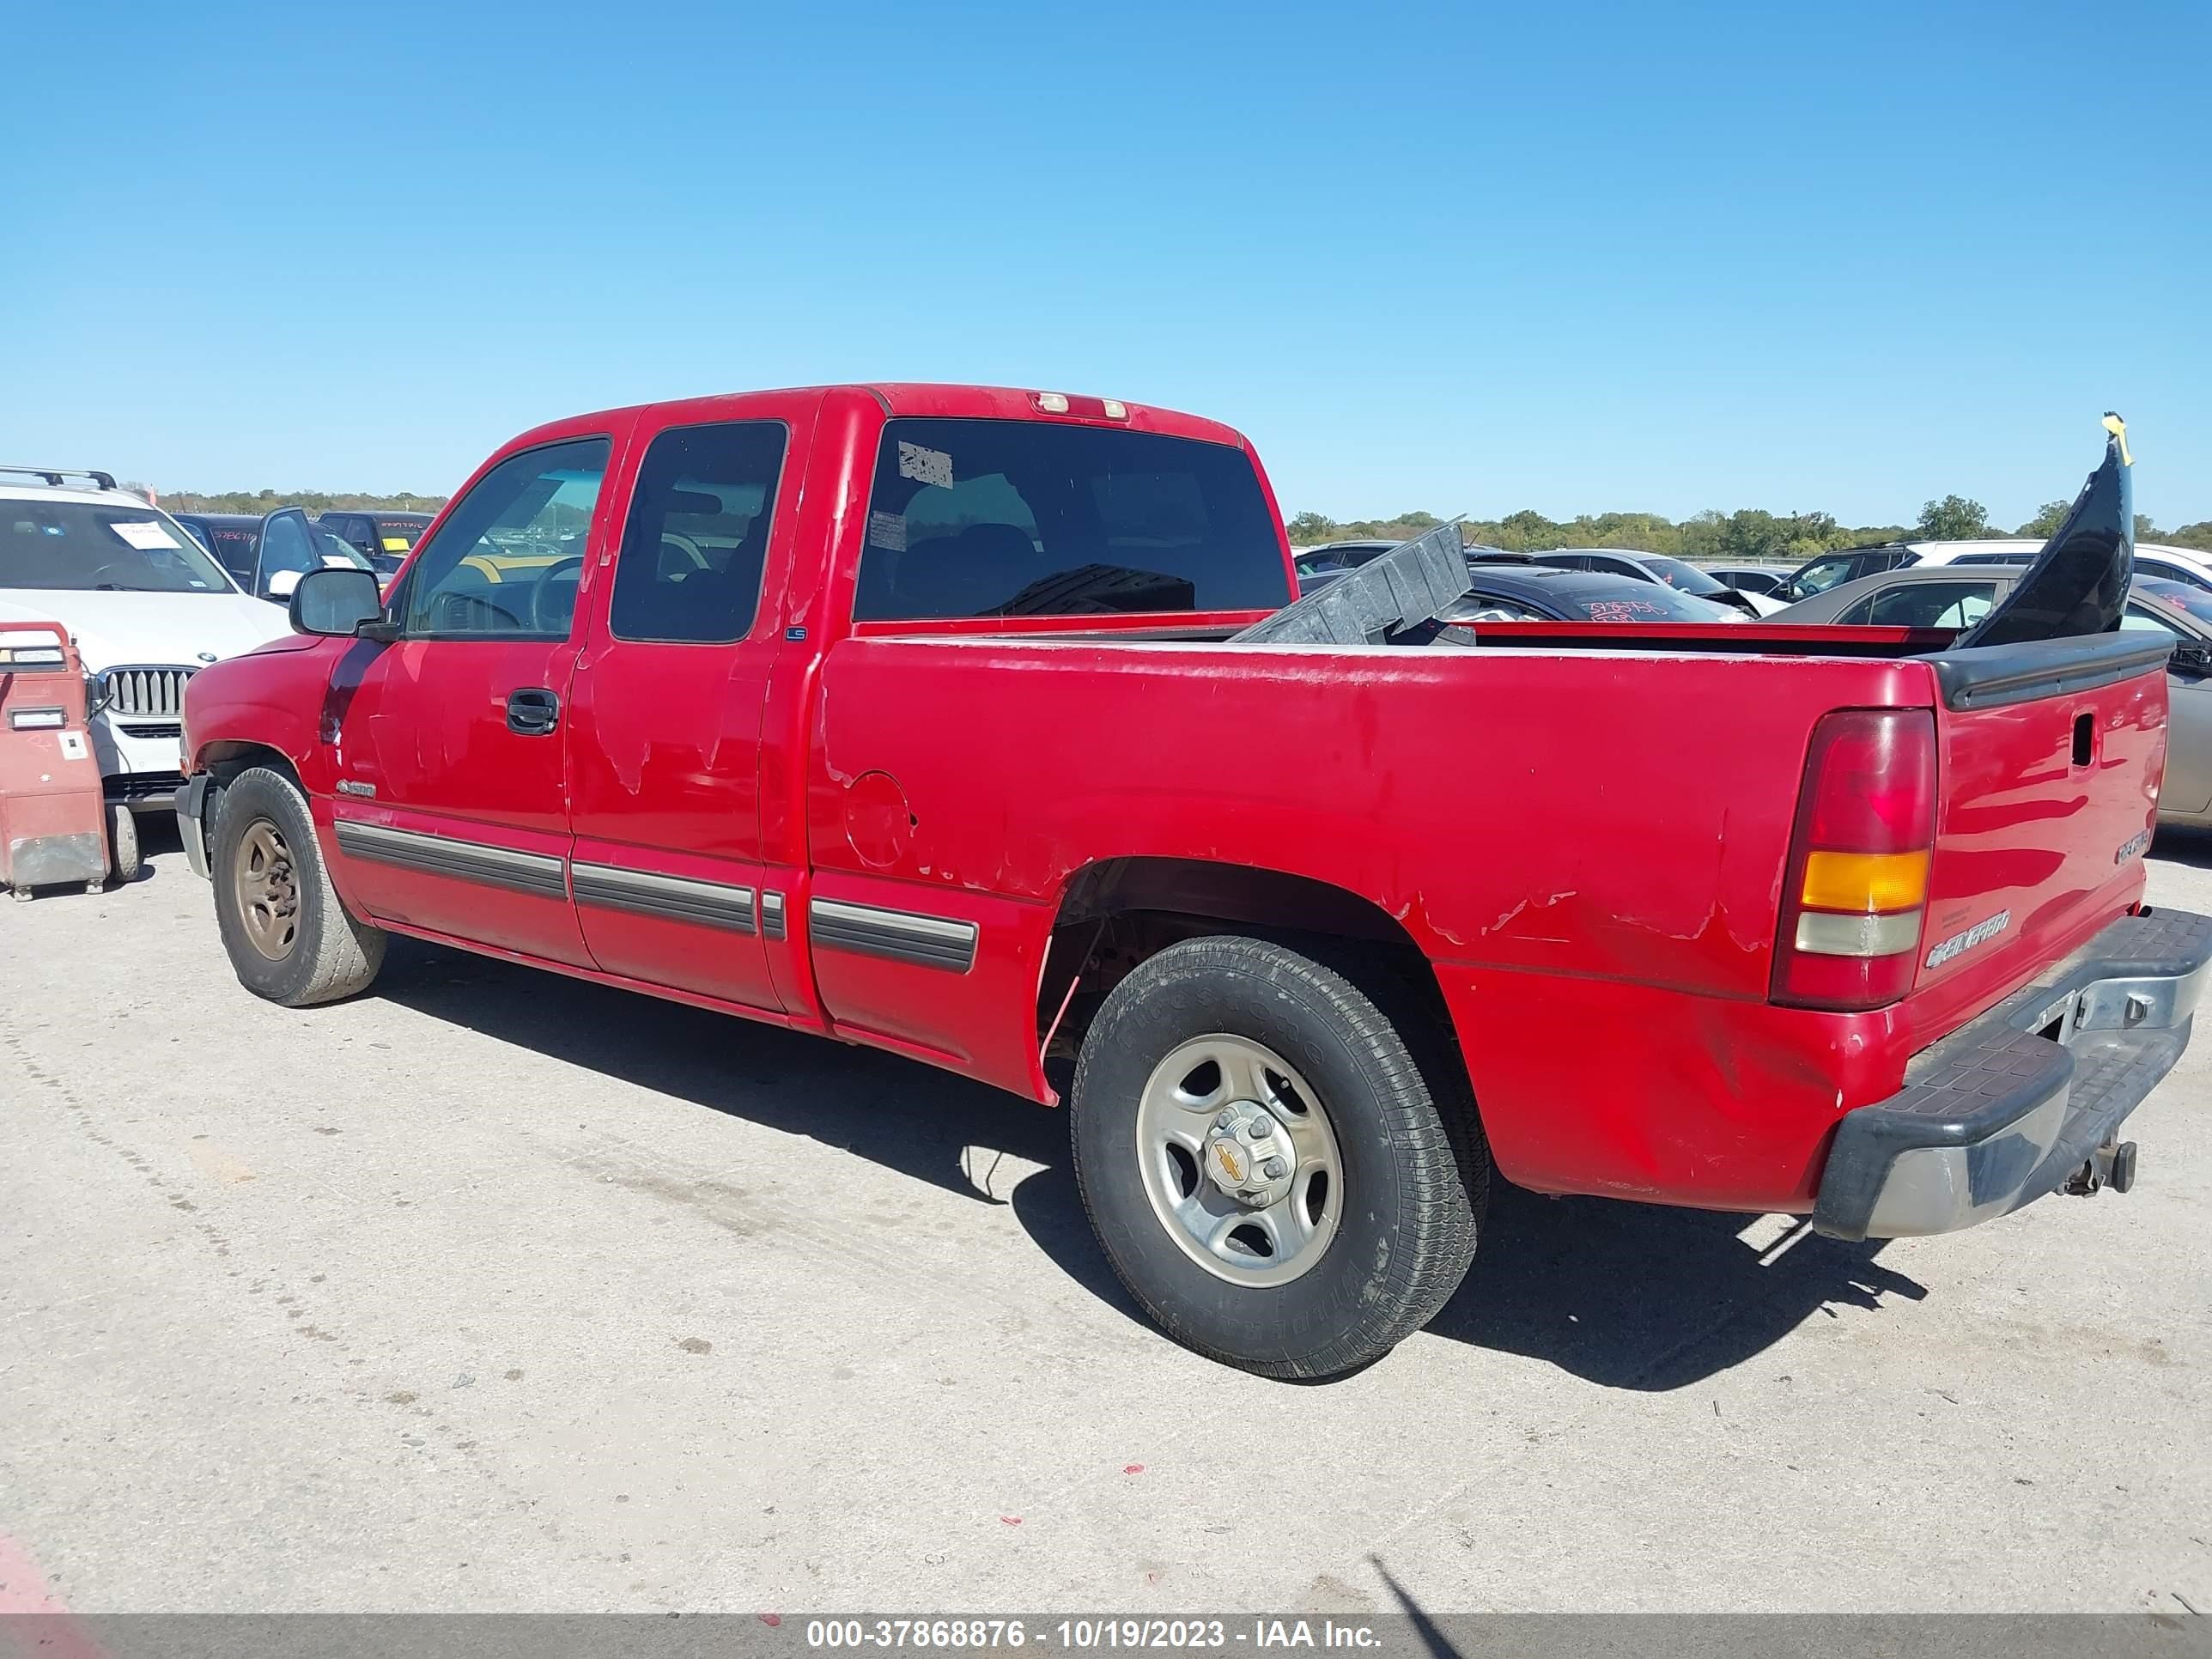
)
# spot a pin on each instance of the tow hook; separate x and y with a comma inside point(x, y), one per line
point(2112, 1164)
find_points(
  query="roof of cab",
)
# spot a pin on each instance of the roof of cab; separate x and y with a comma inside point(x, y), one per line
point(908, 397)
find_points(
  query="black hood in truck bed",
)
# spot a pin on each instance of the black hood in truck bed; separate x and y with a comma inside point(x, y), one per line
point(2078, 583)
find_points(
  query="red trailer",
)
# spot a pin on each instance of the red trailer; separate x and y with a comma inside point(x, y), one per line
point(52, 826)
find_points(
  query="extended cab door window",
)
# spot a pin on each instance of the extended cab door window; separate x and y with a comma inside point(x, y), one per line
point(664, 753)
point(508, 561)
point(697, 537)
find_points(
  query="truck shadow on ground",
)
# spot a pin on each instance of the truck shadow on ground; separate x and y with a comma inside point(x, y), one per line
point(1625, 1295)
point(1636, 1296)
point(2190, 846)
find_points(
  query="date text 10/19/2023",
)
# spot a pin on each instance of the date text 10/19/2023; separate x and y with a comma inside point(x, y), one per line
point(1089, 1635)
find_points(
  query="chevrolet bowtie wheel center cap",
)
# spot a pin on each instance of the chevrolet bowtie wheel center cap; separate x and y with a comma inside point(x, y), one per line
point(1248, 1156)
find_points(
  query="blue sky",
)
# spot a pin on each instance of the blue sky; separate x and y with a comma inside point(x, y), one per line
point(1467, 257)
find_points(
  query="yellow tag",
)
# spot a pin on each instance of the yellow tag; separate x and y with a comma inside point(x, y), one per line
point(397, 544)
point(2118, 429)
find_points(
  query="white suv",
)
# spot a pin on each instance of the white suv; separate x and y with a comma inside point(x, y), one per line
point(2186, 565)
point(148, 608)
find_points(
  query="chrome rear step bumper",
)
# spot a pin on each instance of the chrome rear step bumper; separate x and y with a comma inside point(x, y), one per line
point(2027, 1099)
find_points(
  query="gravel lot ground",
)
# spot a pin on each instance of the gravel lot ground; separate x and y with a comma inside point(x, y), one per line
point(492, 1290)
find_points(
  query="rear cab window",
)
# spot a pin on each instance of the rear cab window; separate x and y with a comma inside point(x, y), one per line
point(983, 518)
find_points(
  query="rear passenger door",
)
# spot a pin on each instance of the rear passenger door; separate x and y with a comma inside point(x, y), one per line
point(665, 760)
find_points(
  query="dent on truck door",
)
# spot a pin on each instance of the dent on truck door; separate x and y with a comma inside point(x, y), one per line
point(450, 805)
point(664, 747)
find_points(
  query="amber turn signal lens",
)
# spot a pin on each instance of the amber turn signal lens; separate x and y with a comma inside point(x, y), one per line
point(1865, 883)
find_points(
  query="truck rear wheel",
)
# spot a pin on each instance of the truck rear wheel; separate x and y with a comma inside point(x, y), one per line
point(1269, 1169)
point(289, 939)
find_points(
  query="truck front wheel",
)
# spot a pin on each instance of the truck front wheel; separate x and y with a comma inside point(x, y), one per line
point(289, 939)
point(1269, 1169)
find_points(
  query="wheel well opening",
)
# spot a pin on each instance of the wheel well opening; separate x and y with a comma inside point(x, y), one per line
point(224, 761)
point(1118, 912)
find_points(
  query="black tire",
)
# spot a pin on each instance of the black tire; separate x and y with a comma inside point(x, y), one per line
point(122, 843)
point(1415, 1167)
point(326, 954)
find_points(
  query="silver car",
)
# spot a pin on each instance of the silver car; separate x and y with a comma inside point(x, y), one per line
point(1950, 596)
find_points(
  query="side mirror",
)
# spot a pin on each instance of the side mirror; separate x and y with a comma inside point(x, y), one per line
point(2191, 657)
point(335, 604)
point(282, 582)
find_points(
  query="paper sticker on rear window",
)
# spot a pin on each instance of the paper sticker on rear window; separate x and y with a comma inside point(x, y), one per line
point(143, 534)
point(397, 544)
point(887, 530)
point(929, 466)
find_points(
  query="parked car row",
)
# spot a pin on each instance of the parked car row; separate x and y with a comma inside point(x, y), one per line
point(267, 554)
point(1322, 564)
point(2186, 565)
point(146, 613)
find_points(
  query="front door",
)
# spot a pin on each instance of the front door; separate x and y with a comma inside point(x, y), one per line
point(664, 740)
point(451, 798)
point(290, 549)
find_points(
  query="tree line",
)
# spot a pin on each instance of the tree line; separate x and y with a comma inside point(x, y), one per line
point(314, 500)
point(1748, 535)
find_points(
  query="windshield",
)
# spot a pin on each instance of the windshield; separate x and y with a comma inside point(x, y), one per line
point(2197, 601)
point(397, 536)
point(338, 551)
point(237, 545)
point(1817, 578)
point(1584, 600)
point(974, 517)
point(1684, 578)
point(1646, 602)
point(82, 547)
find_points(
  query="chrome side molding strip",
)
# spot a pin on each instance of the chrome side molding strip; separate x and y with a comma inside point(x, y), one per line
point(899, 935)
point(536, 873)
point(671, 898)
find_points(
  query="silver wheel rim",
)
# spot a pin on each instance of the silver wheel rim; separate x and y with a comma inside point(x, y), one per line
point(1216, 1117)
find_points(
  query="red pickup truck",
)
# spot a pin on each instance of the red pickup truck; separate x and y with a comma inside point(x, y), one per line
point(960, 722)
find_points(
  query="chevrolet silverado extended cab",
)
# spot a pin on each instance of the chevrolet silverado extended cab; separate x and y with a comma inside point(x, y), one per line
point(972, 723)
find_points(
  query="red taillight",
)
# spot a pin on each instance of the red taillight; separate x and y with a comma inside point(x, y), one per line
point(1857, 886)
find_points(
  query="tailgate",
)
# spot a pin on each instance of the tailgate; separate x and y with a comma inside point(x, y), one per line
point(2049, 758)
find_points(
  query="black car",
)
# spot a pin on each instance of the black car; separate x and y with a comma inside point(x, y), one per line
point(1635, 565)
point(267, 554)
point(1849, 564)
point(1317, 565)
point(1523, 591)
point(384, 539)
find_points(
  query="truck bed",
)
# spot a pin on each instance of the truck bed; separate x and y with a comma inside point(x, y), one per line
point(1584, 829)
